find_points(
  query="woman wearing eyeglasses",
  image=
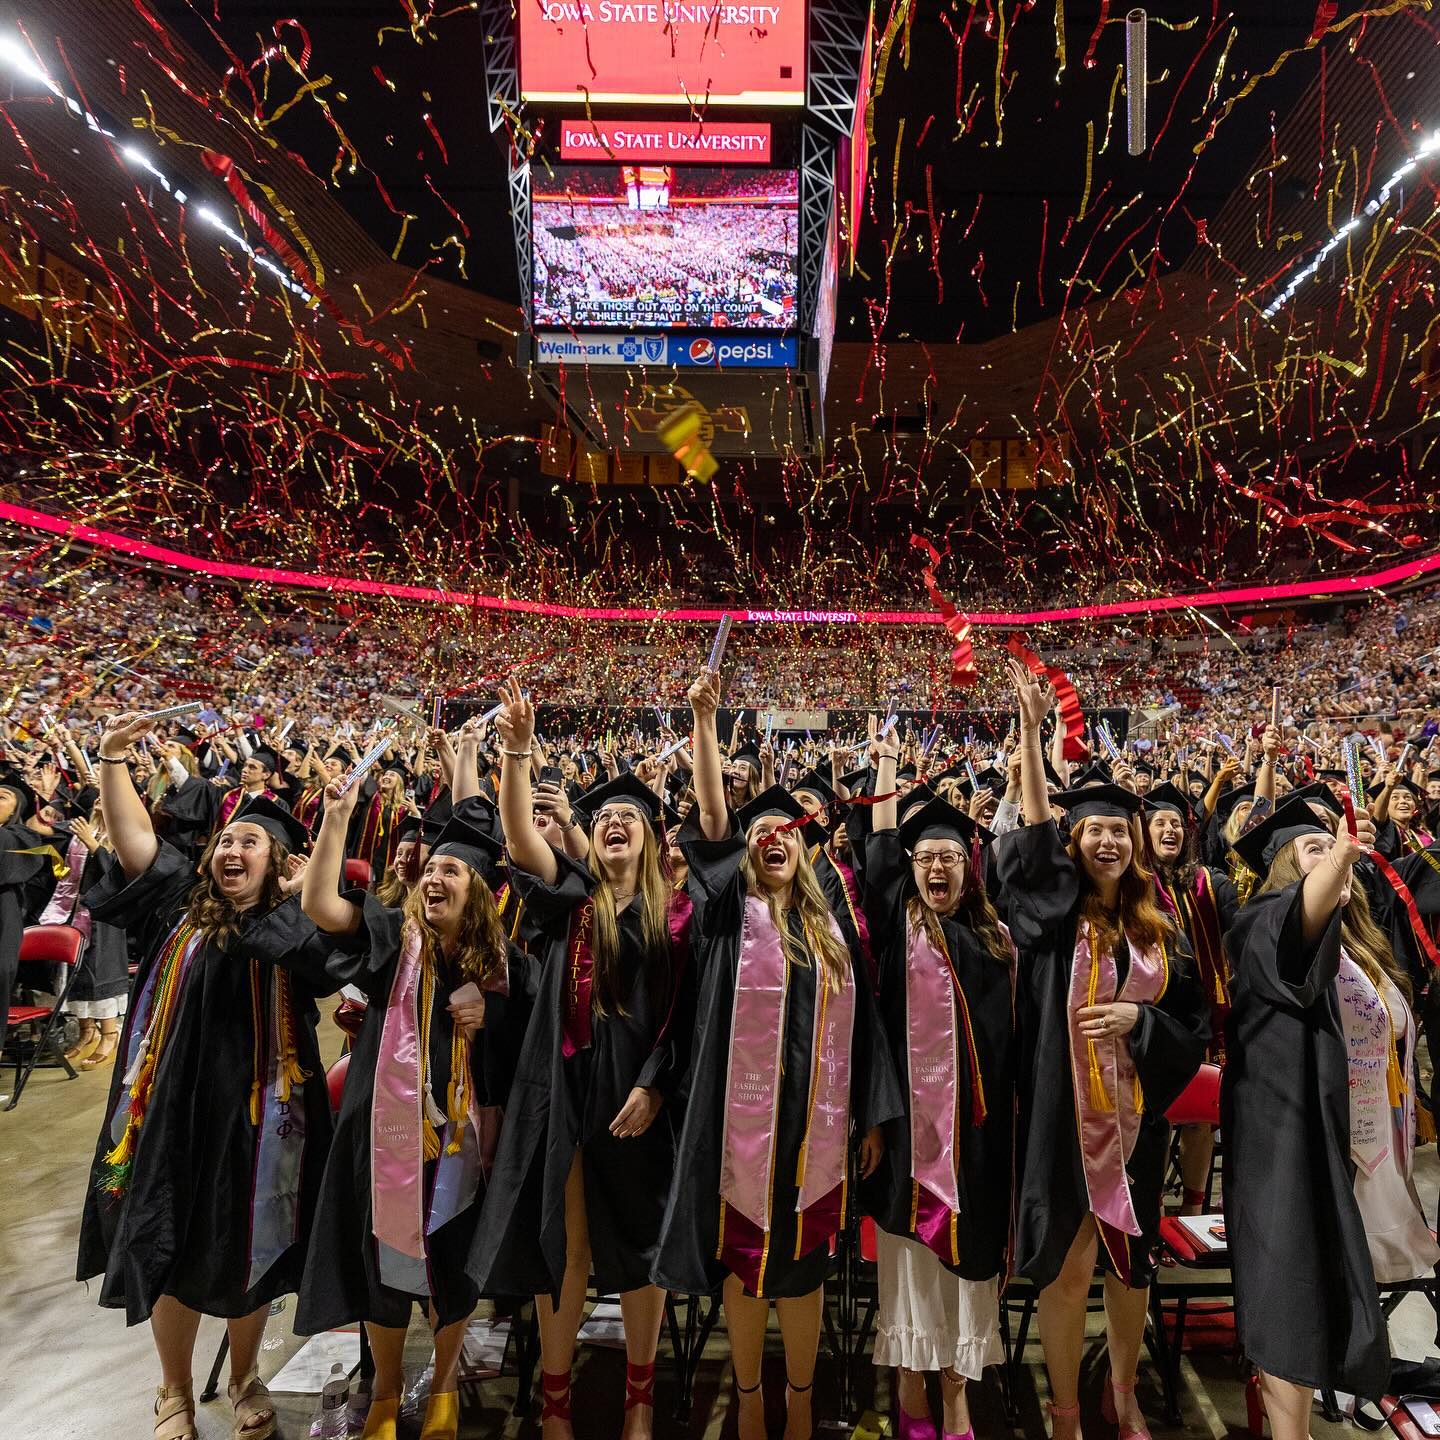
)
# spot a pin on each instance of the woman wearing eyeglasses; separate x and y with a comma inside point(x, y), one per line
point(787, 1070)
point(587, 1152)
point(941, 1196)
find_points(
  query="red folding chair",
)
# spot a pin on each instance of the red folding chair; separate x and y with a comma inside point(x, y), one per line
point(358, 875)
point(44, 945)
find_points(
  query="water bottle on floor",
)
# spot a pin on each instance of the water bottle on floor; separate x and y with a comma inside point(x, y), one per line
point(330, 1421)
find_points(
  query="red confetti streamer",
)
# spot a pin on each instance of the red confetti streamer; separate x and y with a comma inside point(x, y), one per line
point(963, 673)
point(1070, 711)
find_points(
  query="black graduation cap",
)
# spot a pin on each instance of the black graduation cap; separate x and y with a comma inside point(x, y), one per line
point(814, 783)
point(1194, 777)
point(1168, 797)
point(774, 801)
point(1259, 846)
point(472, 847)
point(1099, 801)
point(920, 795)
point(854, 782)
point(186, 736)
point(479, 811)
point(10, 779)
point(1230, 798)
point(905, 772)
point(1144, 767)
point(1316, 793)
point(938, 820)
point(1096, 774)
point(951, 772)
point(623, 787)
point(1339, 776)
point(1404, 783)
point(993, 780)
point(1050, 776)
point(275, 820)
point(267, 757)
point(750, 754)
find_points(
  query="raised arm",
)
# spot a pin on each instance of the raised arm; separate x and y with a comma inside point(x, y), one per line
point(709, 776)
point(884, 755)
point(1324, 885)
point(126, 819)
point(1269, 756)
point(320, 896)
point(1035, 700)
point(465, 778)
point(515, 724)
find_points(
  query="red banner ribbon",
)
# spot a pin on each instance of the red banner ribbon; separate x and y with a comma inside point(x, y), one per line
point(1401, 889)
point(1070, 711)
point(963, 673)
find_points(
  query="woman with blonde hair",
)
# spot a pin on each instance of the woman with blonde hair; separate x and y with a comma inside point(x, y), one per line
point(588, 1150)
point(1318, 1111)
point(1113, 1027)
point(206, 1174)
point(788, 1067)
point(428, 1074)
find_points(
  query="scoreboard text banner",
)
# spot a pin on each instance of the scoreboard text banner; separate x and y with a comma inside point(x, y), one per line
point(681, 52)
point(664, 141)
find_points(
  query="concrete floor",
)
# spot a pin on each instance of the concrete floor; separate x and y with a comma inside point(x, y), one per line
point(69, 1369)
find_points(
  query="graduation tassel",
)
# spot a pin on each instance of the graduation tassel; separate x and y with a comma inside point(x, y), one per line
point(459, 1101)
point(1424, 1123)
point(430, 1111)
point(1099, 1096)
point(257, 1045)
point(1395, 1086)
point(1139, 1095)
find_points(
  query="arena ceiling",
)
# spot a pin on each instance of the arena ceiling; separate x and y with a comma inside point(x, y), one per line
point(1018, 273)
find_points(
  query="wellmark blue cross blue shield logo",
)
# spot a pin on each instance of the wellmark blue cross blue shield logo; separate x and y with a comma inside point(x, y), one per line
point(628, 349)
point(654, 348)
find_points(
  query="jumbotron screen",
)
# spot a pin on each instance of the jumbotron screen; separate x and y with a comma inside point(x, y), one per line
point(662, 246)
point(663, 51)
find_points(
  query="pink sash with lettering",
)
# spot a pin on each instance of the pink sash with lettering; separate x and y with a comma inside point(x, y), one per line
point(1108, 1135)
point(65, 907)
point(932, 1032)
point(1366, 1023)
point(752, 1101)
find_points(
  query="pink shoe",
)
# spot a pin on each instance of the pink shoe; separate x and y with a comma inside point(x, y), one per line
point(1107, 1409)
point(1068, 1413)
point(912, 1427)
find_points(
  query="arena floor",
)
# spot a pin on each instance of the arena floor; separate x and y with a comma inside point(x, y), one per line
point(50, 1327)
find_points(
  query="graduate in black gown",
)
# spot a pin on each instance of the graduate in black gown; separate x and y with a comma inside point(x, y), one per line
point(1203, 902)
point(588, 1148)
point(206, 1171)
point(1113, 1027)
point(760, 1179)
point(28, 862)
point(838, 879)
point(429, 1073)
point(1318, 1114)
point(942, 1194)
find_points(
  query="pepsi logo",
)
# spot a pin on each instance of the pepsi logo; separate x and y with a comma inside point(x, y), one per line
point(702, 351)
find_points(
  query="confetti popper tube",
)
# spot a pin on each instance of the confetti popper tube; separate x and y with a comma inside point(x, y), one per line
point(174, 712)
point(1226, 745)
point(1107, 740)
point(491, 713)
point(1275, 706)
point(769, 727)
point(973, 778)
point(1404, 756)
point(891, 716)
point(1352, 772)
point(1378, 746)
point(669, 750)
point(435, 713)
point(717, 650)
point(289, 726)
point(366, 761)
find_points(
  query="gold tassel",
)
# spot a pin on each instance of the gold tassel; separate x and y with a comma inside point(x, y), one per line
point(125, 1149)
point(457, 1107)
point(1099, 1096)
point(432, 1141)
point(1424, 1123)
point(1395, 1086)
point(1139, 1096)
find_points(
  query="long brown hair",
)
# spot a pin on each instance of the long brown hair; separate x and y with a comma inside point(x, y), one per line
point(808, 898)
point(1364, 941)
point(1138, 914)
point(213, 913)
point(392, 890)
point(653, 892)
point(974, 910)
point(480, 946)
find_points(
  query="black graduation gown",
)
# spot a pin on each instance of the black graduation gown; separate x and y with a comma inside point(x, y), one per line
point(1306, 1308)
point(842, 893)
point(687, 1257)
point(185, 817)
point(27, 879)
point(985, 1172)
point(342, 1282)
point(1041, 894)
point(104, 972)
point(559, 1104)
point(182, 1227)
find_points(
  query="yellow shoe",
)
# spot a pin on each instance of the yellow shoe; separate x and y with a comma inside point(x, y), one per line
point(442, 1416)
point(380, 1422)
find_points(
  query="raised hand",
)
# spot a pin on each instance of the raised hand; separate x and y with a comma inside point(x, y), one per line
point(121, 733)
point(704, 695)
point(1035, 696)
point(515, 722)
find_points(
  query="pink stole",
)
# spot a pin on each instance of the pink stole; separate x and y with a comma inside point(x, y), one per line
point(65, 907)
point(752, 1103)
point(1108, 1102)
point(401, 1101)
point(1366, 1021)
point(933, 1071)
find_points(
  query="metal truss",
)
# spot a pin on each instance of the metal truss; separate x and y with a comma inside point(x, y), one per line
point(837, 37)
point(519, 180)
point(817, 197)
point(502, 67)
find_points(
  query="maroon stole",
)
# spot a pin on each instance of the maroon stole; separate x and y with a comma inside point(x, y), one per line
point(379, 835)
point(231, 802)
point(1197, 914)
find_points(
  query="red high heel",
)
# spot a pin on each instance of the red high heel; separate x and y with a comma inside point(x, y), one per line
point(1255, 1405)
point(639, 1385)
point(1107, 1409)
point(555, 1390)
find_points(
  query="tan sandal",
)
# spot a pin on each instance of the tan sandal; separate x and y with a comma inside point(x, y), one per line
point(254, 1415)
point(175, 1412)
point(85, 1046)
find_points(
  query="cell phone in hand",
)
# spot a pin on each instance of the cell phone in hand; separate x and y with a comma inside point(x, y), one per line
point(1423, 1414)
point(552, 775)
